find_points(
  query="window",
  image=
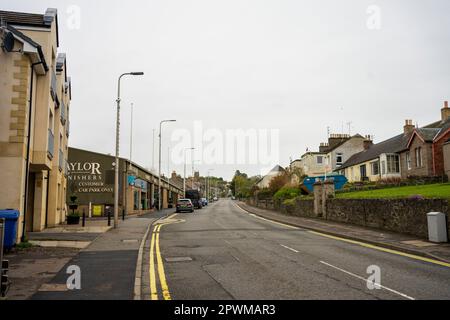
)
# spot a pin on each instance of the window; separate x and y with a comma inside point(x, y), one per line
point(50, 120)
point(419, 157)
point(408, 160)
point(375, 166)
point(393, 164)
point(339, 158)
point(319, 160)
point(363, 172)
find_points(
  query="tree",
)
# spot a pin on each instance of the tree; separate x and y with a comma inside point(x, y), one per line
point(278, 182)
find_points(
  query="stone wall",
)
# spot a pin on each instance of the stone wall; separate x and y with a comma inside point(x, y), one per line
point(406, 216)
point(398, 215)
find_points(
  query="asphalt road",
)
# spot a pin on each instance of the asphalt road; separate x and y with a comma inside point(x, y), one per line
point(222, 252)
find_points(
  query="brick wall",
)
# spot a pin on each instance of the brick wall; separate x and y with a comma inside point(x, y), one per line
point(439, 153)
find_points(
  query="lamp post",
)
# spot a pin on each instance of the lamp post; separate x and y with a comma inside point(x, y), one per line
point(184, 177)
point(208, 190)
point(131, 133)
point(116, 163)
point(159, 171)
point(193, 171)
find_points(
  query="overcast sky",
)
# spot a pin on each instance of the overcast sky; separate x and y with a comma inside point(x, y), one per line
point(292, 65)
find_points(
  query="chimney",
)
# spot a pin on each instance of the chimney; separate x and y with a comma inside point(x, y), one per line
point(445, 112)
point(368, 142)
point(174, 175)
point(409, 127)
point(323, 147)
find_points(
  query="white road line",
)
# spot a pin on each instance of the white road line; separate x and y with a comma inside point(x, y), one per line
point(365, 280)
point(289, 248)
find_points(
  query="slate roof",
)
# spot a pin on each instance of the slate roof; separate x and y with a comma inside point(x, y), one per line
point(428, 134)
point(398, 143)
point(392, 145)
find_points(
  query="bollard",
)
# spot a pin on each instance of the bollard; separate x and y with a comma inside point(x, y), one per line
point(109, 218)
point(123, 214)
point(84, 218)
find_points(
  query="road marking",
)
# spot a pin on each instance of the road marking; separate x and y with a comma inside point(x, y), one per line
point(162, 275)
point(274, 222)
point(153, 290)
point(371, 246)
point(367, 245)
point(155, 250)
point(271, 221)
point(289, 248)
point(367, 281)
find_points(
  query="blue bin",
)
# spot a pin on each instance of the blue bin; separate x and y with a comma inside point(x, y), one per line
point(11, 217)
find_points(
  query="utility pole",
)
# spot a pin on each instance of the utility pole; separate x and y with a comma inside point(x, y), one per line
point(159, 169)
point(153, 151)
point(116, 162)
point(131, 133)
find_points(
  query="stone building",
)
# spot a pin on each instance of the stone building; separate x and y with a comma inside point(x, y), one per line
point(332, 154)
point(417, 152)
point(425, 155)
point(35, 94)
point(91, 180)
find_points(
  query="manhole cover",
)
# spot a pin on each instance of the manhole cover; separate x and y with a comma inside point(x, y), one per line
point(179, 259)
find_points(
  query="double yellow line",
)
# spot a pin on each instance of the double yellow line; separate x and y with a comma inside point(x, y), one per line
point(155, 251)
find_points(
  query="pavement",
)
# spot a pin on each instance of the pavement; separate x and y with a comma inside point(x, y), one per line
point(33, 267)
point(386, 239)
point(107, 265)
point(226, 253)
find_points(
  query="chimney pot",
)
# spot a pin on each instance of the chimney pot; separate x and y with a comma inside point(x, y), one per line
point(445, 112)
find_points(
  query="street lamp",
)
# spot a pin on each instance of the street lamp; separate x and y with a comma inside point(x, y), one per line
point(208, 188)
point(131, 133)
point(193, 171)
point(159, 171)
point(184, 178)
point(116, 163)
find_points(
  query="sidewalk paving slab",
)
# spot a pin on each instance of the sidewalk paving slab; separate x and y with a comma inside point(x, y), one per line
point(395, 241)
point(108, 264)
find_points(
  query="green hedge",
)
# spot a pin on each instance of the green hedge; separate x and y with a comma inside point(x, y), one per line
point(286, 193)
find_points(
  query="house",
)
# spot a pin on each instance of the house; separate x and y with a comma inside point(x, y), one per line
point(35, 94)
point(332, 154)
point(415, 152)
point(311, 163)
point(342, 147)
point(425, 155)
point(446, 151)
point(264, 182)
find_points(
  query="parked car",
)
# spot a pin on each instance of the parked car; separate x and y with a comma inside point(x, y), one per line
point(185, 205)
point(204, 201)
point(216, 199)
point(233, 198)
point(194, 195)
